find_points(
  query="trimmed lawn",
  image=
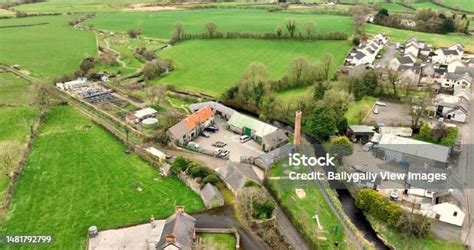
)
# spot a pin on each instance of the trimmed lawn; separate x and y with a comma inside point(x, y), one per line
point(355, 108)
point(46, 50)
point(302, 210)
point(217, 241)
point(398, 35)
point(460, 4)
point(13, 90)
point(212, 66)
point(77, 176)
point(160, 24)
point(406, 243)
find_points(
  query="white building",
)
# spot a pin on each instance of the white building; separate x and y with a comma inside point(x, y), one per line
point(448, 55)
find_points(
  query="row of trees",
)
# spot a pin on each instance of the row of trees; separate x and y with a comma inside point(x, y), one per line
point(308, 32)
point(374, 204)
point(440, 134)
point(194, 170)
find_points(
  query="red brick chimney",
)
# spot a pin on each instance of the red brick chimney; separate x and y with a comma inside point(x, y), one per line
point(170, 238)
point(179, 209)
point(297, 139)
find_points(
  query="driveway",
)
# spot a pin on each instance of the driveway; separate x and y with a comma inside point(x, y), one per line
point(236, 148)
point(391, 115)
point(388, 56)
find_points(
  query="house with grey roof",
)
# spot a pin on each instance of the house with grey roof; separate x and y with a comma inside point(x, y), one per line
point(267, 160)
point(218, 108)
point(178, 232)
point(445, 55)
point(274, 140)
point(451, 107)
point(452, 80)
point(235, 175)
point(211, 196)
point(366, 52)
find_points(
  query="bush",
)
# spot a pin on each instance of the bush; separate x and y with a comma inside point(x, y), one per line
point(341, 147)
point(252, 183)
point(133, 33)
point(179, 165)
point(212, 178)
point(199, 171)
point(262, 209)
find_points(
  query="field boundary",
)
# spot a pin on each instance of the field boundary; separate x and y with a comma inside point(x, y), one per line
point(452, 8)
point(23, 25)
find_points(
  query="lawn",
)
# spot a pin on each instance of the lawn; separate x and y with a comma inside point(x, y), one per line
point(303, 210)
point(13, 90)
point(460, 4)
point(160, 24)
point(217, 241)
point(399, 35)
point(358, 107)
point(394, 7)
point(212, 66)
point(429, 5)
point(46, 50)
point(64, 6)
point(77, 176)
point(405, 243)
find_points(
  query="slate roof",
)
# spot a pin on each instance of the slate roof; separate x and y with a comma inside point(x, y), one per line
point(275, 138)
point(277, 154)
point(236, 174)
point(209, 193)
point(359, 55)
point(456, 76)
point(364, 129)
point(180, 225)
point(214, 106)
point(406, 60)
point(464, 70)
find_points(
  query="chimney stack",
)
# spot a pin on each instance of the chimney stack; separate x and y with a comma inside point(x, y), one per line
point(297, 139)
point(170, 238)
point(179, 209)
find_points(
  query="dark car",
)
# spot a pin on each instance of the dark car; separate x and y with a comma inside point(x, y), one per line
point(212, 128)
point(204, 134)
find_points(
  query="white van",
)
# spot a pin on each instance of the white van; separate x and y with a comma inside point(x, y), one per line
point(244, 138)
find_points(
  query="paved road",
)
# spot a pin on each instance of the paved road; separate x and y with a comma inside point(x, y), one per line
point(388, 56)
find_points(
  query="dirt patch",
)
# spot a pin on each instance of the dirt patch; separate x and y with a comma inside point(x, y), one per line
point(300, 193)
point(149, 7)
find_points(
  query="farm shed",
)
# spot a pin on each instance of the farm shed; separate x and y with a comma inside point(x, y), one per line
point(398, 131)
point(412, 152)
point(235, 175)
point(218, 108)
point(360, 132)
point(274, 140)
point(156, 153)
point(252, 127)
point(267, 160)
point(211, 196)
point(190, 127)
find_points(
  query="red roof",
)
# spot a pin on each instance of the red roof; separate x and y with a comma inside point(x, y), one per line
point(202, 115)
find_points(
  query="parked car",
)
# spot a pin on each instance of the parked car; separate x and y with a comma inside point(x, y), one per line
point(212, 128)
point(379, 103)
point(205, 134)
point(376, 110)
point(244, 138)
point(193, 145)
point(224, 153)
point(394, 195)
point(219, 144)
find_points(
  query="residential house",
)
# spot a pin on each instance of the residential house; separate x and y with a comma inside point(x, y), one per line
point(218, 108)
point(406, 60)
point(211, 196)
point(190, 127)
point(447, 55)
point(410, 73)
point(407, 151)
point(454, 64)
point(178, 232)
point(448, 213)
point(453, 108)
point(246, 125)
point(274, 140)
point(365, 53)
point(452, 80)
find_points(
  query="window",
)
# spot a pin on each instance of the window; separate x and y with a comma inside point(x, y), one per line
point(455, 213)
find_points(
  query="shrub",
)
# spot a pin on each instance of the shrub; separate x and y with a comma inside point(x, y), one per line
point(133, 33)
point(199, 171)
point(252, 183)
point(212, 178)
point(262, 209)
point(179, 165)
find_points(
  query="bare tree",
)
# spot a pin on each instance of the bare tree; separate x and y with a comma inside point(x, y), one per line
point(310, 29)
point(417, 109)
point(211, 28)
point(156, 93)
point(393, 78)
point(291, 27)
point(40, 99)
point(359, 13)
point(326, 65)
point(178, 31)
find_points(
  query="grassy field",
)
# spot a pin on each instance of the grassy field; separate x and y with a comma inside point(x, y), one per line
point(212, 66)
point(429, 5)
point(13, 90)
point(46, 50)
point(77, 176)
point(398, 35)
point(160, 24)
point(405, 243)
point(355, 109)
point(303, 209)
point(394, 7)
point(460, 4)
point(217, 241)
point(64, 6)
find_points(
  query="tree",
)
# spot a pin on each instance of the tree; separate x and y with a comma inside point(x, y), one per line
point(87, 64)
point(134, 33)
point(298, 71)
point(322, 122)
point(326, 65)
point(417, 109)
point(310, 29)
point(180, 164)
point(156, 93)
point(278, 31)
point(252, 85)
point(291, 27)
point(425, 133)
point(7, 157)
point(393, 77)
point(211, 28)
point(359, 13)
point(178, 31)
point(341, 147)
point(41, 99)
point(151, 69)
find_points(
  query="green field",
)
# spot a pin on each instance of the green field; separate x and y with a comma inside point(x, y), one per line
point(302, 210)
point(460, 4)
point(46, 50)
point(394, 7)
point(64, 6)
point(429, 5)
point(217, 241)
point(13, 90)
point(77, 176)
point(355, 109)
point(160, 24)
point(398, 35)
point(212, 66)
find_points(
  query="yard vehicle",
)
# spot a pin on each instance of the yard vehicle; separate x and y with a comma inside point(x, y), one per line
point(376, 110)
point(394, 195)
point(244, 138)
point(212, 128)
point(205, 134)
point(221, 153)
point(219, 144)
point(379, 103)
point(193, 145)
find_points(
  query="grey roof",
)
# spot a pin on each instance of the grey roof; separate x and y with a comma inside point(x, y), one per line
point(362, 129)
point(414, 147)
point(464, 70)
point(209, 193)
point(448, 51)
point(277, 154)
point(456, 76)
point(275, 138)
point(181, 226)
point(406, 60)
point(179, 129)
point(236, 174)
point(359, 55)
point(215, 106)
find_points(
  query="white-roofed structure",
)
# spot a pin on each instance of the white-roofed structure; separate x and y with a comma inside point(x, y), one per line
point(252, 127)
